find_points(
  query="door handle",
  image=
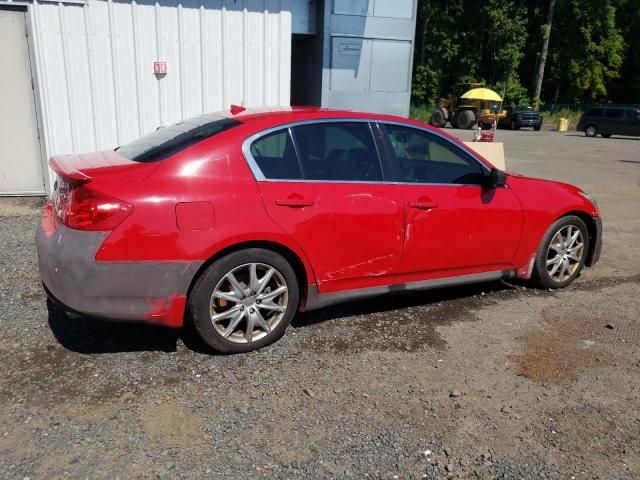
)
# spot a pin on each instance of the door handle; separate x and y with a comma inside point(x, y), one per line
point(294, 202)
point(424, 205)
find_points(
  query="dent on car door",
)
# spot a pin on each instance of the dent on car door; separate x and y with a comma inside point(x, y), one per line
point(323, 184)
point(454, 224)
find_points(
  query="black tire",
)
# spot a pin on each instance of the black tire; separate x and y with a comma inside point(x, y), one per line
point(537, 127)
point(541, 275)
point(437, 119)
point(465, 119)
point(453, 120)
point(591, 131)
point(605, 135)
point(201, 295)
point(514, 125)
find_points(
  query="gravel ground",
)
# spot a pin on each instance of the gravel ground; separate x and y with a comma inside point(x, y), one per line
point(491, 381)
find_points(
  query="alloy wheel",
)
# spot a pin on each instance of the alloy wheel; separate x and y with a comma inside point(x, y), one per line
point(248, 302)
point(565, 253)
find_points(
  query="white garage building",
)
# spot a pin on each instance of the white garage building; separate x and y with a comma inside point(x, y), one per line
point(86, 75)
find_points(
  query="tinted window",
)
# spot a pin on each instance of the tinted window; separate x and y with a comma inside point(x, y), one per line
point(276, 157)
point(337, 151)
point(423, 157)
point(614, 113)
point(171, 139)
point(632, 113)
point(595, 112)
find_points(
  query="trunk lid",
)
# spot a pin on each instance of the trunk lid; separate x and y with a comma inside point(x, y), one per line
point(105, 166)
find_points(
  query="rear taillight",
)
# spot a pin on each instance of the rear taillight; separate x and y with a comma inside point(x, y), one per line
point(80, 207)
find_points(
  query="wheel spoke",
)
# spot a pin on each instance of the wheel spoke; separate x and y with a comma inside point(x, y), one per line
point(227, 314)
point(269, 305)
point(567, 236)
point(261, 322)
point(254, 283)
point(237, 288)
point(264, 280)
point(554, 260)
point(556, 242)
point(575, 246)
point(229, 296)
point(565, 269)
point(574, 238)
point(271, 295)
point(233, 324)
point(555, 268)
point(251, 323)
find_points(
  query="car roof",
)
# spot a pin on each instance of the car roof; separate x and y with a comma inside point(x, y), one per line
point(282, 115)
point(612, 107)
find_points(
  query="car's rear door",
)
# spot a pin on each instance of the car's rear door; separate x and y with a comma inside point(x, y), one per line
point(613, 122)
point(454, 224)
point(632, 121)
point(323, 183)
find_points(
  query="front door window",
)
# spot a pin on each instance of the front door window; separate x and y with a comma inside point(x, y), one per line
point(429, 159)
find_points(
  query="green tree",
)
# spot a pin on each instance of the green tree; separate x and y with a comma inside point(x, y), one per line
point(506, 34)
point(586, 52)
point(593, 53)
point(462, 41)
point(626, 88)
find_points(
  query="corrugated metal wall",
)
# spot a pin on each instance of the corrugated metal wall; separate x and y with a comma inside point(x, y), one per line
point(95, 64)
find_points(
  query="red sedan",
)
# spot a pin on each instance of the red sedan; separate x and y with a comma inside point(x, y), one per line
point(248, 217)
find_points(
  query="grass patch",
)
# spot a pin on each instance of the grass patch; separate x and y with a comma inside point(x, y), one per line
point(552, 118)
point(421, 113)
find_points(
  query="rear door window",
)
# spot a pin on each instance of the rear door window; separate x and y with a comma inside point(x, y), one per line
point(276, 157)
point(594, 112)
point(338, 151)
point(614, 113)
point(329, 151)
point(169, 140)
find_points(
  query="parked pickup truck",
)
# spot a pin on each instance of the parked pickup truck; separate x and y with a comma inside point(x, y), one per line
point(521, 116)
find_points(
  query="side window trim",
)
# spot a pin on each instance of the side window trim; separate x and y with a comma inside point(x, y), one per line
point(296, 149)
point(387, 166)
point(389, 153)
point(259, 175)
point(389, 157)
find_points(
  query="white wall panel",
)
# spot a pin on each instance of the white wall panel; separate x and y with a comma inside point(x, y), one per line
point(95, 64)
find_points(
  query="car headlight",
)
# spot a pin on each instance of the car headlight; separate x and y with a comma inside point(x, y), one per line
point(588, 197)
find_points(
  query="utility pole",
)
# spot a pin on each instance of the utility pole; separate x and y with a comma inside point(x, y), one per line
point(543, 54)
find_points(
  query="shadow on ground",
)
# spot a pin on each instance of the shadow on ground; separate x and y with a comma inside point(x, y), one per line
point(91, 335)
point(398, 301)
point(96, 336)
point(616, 137)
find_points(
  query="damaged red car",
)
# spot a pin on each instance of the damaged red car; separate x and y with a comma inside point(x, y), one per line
point(236, 221)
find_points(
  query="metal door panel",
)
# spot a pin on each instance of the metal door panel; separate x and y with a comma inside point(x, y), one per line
point(20, 160)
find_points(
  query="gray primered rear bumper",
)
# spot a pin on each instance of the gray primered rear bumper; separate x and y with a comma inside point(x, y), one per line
point(153, 292)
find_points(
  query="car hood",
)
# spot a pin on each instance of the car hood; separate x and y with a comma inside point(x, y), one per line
point(550, 195)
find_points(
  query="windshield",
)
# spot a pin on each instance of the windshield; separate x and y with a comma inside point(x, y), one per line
point(171, 139)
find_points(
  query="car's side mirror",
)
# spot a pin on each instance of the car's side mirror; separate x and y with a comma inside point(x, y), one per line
point(496, 178)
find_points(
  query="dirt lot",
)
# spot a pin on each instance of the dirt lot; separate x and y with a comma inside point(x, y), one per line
point(494, 381)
